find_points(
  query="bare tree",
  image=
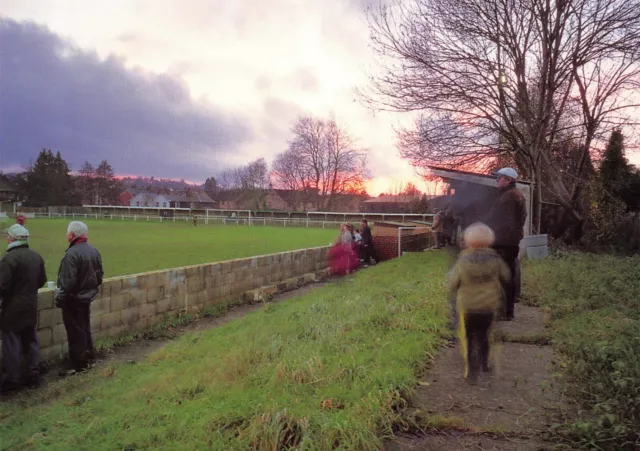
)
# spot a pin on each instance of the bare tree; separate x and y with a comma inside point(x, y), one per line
point(322, 158)
point(507, 77)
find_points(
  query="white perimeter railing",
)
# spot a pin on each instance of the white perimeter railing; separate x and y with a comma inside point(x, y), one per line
point(253, 221)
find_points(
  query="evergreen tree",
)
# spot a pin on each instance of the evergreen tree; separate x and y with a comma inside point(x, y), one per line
point(107, 186)
point(619, 178)
point(47, 182)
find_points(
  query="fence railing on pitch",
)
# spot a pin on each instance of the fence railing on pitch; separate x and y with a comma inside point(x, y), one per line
point(245, 221)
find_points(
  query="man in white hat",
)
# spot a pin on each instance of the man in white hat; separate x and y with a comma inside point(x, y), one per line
point(507, 218)
point(22, 273)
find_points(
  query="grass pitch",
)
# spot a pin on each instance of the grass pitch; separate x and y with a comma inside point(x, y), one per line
point(129, 247)
point(326, 370)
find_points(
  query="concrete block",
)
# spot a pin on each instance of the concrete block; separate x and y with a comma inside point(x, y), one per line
point(100, 306)
point(45, 318)
point(45, 299)
point(163, 305)
point(194, 285)
point(130, 316)
point(115, 331)
point(57, 317)
point(117, 303)
point(147, 310)
point(177, 302)
point(115, 286)
point(129, 283)
point(192, 272)
point(105, 290)
point(45, 337)
point(534, 241)
point(54, 352)
point(59, 334)
point(537, 252)
point(110, 320)
point(95, 323)
point(153, 294)
point(136, 298)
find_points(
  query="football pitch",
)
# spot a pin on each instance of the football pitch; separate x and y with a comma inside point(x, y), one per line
point(129, 247)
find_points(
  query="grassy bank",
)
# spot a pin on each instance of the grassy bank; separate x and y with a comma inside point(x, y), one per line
point(321, 371)
point(595, 300)
point(130, 247)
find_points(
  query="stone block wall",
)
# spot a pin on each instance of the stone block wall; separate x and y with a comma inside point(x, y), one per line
point(126, 304)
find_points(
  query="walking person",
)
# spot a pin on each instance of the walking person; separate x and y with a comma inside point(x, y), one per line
point(79, 277)
point(507, 217)
point(369, 250)
point(22, 273)
point(475, 287)
point(438, 228)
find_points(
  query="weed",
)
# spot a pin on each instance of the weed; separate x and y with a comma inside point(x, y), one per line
point(595, 300)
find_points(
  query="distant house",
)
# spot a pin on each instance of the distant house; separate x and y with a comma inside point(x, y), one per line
point(125, 197)
point(8, 191)
point(196, 200)
point(150, 199)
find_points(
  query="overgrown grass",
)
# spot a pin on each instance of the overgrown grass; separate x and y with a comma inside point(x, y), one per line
point(326, 370)
point(129, 247)
point(595, 300)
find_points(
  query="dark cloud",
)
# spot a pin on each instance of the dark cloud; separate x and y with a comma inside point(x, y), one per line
point(55, 95)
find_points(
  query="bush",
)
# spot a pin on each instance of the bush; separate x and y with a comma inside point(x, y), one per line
point(595, 301)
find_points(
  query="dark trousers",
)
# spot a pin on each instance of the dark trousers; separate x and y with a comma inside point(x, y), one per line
point(15, 345)
point(477, 326)
point(510, 255)
point(369, 253)
point(77, 322)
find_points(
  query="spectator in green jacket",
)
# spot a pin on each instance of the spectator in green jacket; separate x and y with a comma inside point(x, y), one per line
point(475, 283)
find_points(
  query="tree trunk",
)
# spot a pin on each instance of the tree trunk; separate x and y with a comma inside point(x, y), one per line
point(537, 202)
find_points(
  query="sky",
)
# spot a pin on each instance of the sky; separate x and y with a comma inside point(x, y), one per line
point(184, 90)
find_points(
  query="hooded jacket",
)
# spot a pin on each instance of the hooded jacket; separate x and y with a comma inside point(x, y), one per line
point(475, 280)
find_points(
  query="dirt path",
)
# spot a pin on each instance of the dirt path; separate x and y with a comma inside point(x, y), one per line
point(509, 409)
point(138, 350)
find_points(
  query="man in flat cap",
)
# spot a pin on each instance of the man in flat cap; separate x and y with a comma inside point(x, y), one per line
point(22, 273)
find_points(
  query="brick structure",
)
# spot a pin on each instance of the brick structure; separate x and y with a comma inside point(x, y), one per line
point(130, 303)
point(385, 238)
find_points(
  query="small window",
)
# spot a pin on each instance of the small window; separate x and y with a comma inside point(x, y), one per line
point(138, 204)
point(164, 204)
point(157, 204)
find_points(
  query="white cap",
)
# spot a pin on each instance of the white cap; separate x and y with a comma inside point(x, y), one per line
point(507, 172)
point(18, 232)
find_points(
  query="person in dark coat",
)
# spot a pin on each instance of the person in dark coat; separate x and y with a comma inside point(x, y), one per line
point(507, 217)
point(369, 250)
point(79, 278)
point(22, 273)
